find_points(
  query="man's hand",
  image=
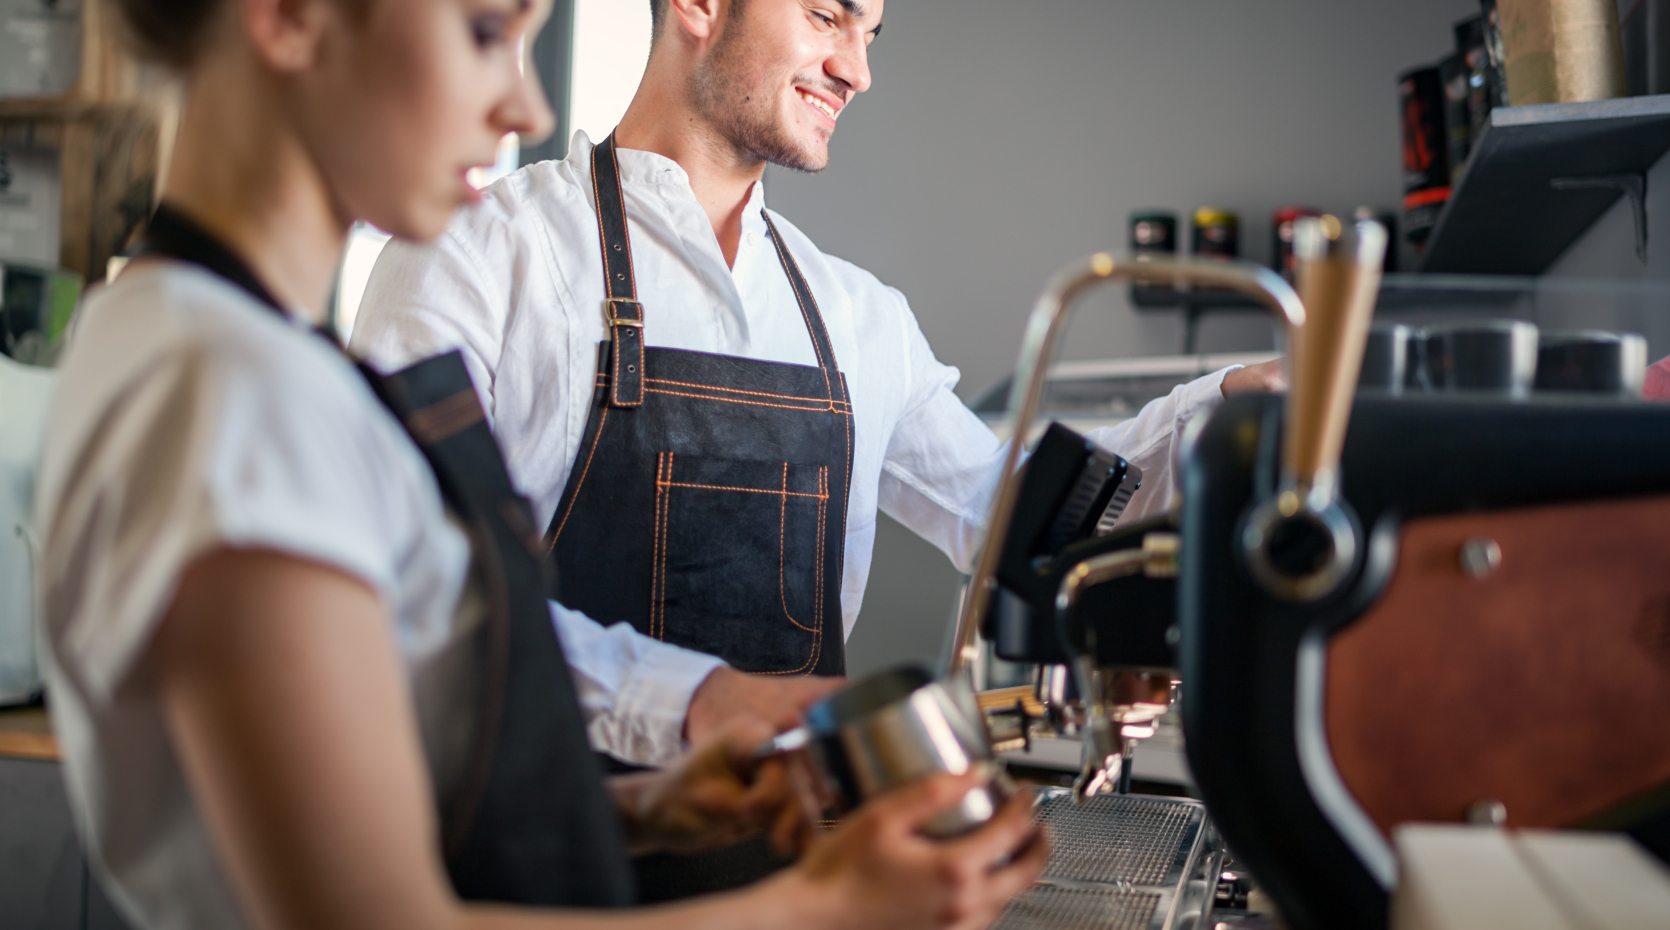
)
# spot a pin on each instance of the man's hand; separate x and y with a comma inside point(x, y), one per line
point(715, 796)
point(1264, 378)
point(729, 697)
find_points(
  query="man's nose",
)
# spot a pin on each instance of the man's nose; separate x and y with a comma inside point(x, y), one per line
point(850, 62)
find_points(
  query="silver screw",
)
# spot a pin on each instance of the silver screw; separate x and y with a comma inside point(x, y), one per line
point(1489, 811)
point(1480, 556)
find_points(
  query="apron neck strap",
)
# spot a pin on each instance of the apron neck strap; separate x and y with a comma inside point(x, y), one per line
point(172, 234)
point(621, 310)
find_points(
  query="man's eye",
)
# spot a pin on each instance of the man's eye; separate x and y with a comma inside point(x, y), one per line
point(824, 19)
point(489, 30)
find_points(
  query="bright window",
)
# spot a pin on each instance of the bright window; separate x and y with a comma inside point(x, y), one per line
point(611, 46)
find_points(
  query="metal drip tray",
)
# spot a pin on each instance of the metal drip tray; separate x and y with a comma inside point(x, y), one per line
point(1121, 862)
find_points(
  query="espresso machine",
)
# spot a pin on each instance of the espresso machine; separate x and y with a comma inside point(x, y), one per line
point(1383, 609)
point(1041, 591)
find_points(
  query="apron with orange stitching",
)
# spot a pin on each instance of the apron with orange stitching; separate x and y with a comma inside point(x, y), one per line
point(707, 504)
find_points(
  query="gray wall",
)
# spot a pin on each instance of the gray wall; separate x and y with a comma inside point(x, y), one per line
point(1608, 248)
point(1004, 138)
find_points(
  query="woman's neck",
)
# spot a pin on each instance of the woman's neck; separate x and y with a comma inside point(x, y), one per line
point(240, 172)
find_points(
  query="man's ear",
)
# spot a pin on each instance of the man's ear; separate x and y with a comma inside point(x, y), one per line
point(286, 33)
point(699, 19)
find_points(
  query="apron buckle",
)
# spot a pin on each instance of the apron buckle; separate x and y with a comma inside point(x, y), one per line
point(612, 315)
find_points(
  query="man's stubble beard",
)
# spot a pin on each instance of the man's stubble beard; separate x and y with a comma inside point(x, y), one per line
point(724, 94)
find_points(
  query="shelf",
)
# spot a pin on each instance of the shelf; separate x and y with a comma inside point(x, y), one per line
point(1397, 292)
point(26, 733)
point(63, 108)
point(1505, 215)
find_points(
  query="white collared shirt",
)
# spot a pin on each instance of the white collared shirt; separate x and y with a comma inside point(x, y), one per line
point(516, 283)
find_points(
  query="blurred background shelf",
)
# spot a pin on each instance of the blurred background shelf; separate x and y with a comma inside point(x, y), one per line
point(105, 131)
point(1397, 292)
point(1506, 214)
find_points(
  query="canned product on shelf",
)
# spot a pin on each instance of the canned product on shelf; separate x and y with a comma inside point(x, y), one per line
point(1153, 232)
point(1217, 233)
point(1281, 237)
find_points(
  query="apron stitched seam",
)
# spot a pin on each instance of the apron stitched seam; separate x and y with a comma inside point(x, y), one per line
point(723, 487)
point(714, 387)
point(817, 600)
point(823, 408)
point(595, 442)
point(655, 543)
point(823, 521)
point(659, 617)
point(782, 538)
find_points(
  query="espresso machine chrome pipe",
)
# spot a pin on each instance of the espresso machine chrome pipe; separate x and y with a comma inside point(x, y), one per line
point(1043, 331)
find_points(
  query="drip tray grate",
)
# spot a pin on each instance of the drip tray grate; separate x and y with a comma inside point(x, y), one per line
point(1049, 908)
point(1119, 839)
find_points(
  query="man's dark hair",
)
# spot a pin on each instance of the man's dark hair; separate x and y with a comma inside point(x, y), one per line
point(658, 17)
point(171, 32)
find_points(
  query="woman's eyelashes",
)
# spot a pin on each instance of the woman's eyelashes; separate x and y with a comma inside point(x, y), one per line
point(490, 30)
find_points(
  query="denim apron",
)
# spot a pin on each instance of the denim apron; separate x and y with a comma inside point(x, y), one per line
point(707, 503)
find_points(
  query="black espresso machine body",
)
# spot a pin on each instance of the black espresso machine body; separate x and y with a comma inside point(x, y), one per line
point(1267, 722)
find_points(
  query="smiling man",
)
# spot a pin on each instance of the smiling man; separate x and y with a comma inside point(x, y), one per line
point(706, 409)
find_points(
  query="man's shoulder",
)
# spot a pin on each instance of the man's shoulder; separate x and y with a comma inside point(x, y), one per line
point(862, 284)
point(520, 204)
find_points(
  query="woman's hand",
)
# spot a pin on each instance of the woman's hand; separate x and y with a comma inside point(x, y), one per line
point(878, 872)
point(717, 795)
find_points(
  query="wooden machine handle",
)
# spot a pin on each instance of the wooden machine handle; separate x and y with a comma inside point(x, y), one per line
point(1339, 278)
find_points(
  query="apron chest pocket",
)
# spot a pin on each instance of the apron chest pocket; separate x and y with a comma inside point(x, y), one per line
point(732, 537)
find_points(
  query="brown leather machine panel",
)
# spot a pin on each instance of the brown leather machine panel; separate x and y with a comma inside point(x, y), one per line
point(1543, 684)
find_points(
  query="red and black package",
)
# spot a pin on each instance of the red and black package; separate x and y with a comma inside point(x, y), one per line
point(1426, 170)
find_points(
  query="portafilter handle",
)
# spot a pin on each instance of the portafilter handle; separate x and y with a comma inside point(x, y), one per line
point(1043, 330)
point(1300, 543)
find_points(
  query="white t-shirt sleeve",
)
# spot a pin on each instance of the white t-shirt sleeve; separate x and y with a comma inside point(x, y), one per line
point(206, 450)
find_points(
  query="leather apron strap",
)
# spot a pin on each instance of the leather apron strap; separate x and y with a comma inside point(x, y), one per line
point(624, 315)
point(621, 310)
